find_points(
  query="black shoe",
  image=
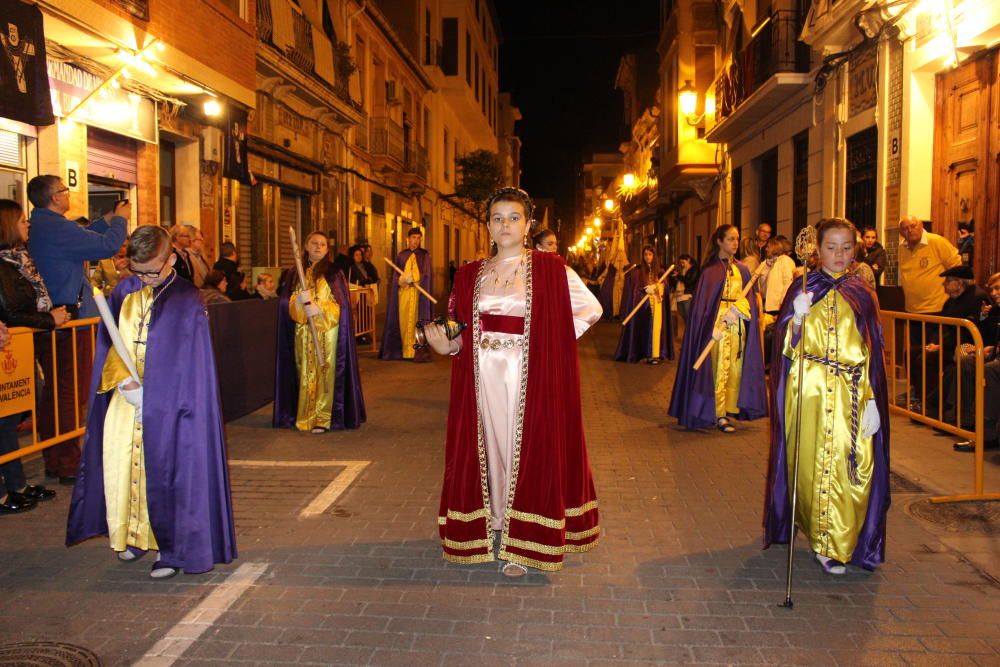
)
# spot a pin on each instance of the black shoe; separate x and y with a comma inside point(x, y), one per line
point(969, 446)
point(15, 504)
point(38, 493)
point(68, 480)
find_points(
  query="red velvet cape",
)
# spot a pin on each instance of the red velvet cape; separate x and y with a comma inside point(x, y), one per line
point(553, 509)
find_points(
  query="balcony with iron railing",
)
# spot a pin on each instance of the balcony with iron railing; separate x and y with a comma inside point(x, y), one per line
point(772, 67)
point(361, 132)
point(416, 161)
point(387, 140)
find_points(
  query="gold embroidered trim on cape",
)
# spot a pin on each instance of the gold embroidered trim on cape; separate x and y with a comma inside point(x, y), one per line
point(583, 534)
point(548, 566)
point(455, 515)
point(466, 546)
point(582, 509)
point(468, 560)
point(539, 519)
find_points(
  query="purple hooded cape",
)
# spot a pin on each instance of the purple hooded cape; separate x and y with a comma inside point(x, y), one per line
point(636, 342)
point(870, 550)
point(607, 295)
point(693, 400)
point(187, 479)
point(348, 401)
point(392, 343)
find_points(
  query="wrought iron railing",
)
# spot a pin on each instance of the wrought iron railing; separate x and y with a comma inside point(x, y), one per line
point(775, 48)
point(265, 24)
point(416, 160)
point(387, 138)
point(301, 52)
point(361, 132)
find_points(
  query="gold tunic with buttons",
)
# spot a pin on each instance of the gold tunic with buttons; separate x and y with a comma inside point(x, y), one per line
point(124, 463)
point(316, 385)
point(727, 355)
point(409, 300)
point(830, 508)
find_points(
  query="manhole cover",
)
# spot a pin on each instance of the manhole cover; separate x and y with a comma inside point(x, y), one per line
point(47, 654)
point(980, 517)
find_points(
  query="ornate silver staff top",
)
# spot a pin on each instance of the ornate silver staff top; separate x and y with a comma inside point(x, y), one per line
point(806, 244)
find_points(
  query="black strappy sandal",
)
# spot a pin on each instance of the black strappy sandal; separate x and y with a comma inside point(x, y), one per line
point(722, 423)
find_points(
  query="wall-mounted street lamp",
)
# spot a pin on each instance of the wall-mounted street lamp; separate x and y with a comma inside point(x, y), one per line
point(687, 98)
point(628, 180)
point(609, 205)
point(597, 221)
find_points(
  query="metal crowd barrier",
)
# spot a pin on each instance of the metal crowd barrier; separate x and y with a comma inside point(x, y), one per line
point(363, 300)
point(913, 329)
point(18, 386)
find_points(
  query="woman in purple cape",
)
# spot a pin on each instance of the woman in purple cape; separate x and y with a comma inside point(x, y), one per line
point(307, 396)
point(843, 478)
point(731, 381)
point(648, 336)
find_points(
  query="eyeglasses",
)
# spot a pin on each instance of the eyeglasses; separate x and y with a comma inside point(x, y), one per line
point(147, 274)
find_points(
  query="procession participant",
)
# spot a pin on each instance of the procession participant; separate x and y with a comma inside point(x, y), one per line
point(309, 395)
point(516, 468)
point(733, 383)
point(835, 331)
point(406, 305)
point(612, 280)
point(154, 474)
point(545, 241)
point(648, 336)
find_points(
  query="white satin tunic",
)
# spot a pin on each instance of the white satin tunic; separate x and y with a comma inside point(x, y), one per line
point(503, 293)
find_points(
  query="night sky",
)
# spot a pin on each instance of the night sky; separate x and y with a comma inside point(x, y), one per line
point(558, 59)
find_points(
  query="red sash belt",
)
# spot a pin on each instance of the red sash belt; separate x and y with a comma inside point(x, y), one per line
point(508, 324)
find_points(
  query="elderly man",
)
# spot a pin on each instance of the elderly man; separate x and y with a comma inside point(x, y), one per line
point(753, 249)
point(196, 253)
point(180, 239)
point(923, 257)
point(60, 247)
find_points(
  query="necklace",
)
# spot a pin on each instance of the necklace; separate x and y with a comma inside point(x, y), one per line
point(518, 270)
point(145, 310)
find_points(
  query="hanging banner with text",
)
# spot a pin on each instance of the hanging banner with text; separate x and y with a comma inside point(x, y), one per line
point(17, 376)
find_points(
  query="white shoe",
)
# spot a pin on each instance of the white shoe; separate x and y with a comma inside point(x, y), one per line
point(831, 566)
point(162, 571)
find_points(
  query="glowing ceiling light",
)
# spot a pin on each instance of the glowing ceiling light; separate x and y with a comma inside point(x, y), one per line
point(212, 108)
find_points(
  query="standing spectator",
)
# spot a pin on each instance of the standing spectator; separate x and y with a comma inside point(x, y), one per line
point(778, 277)
point(60, 247)
point(967, 241)
point(370, 268)
point(110, 271)
point(265, 288)
point(358, 274)
point(180, 238)
point(875, 256)
point(859, 265)
point(24, 302)
point(196, 253)
point(214, 290)
point(753, 250)
point(989, 328)
point(923, 257)
point(683, 282)
point(229, 264)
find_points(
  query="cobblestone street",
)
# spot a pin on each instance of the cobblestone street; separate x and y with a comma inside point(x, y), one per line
point(679, 576)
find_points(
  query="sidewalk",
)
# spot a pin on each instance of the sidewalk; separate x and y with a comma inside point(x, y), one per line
point(679, 576)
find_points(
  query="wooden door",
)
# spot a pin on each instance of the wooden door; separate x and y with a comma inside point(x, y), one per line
point(965, 169)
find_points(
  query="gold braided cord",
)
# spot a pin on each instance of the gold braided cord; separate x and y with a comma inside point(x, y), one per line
point(558, 524)
point(468, 560)
point(466, 546)
point(548, 566)
point(455, 515)
point(583, 534)
point(582, 509)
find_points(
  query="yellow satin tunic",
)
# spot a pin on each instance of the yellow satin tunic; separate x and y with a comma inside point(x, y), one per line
point(656, 313)
point(409, 299)
point(727, 355)
point(315, 383)
point(830, 508)
point(124, 460)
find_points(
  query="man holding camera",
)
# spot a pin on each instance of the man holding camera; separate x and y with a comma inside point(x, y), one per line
point(60, 247)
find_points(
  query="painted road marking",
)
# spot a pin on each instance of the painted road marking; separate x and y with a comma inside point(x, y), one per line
point(329, 495)
point(187, 631)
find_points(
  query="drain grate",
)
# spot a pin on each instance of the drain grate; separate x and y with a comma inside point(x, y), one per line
point(46, 654)
point(974, 517)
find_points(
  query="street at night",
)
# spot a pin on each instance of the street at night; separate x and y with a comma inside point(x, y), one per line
point(678, 577)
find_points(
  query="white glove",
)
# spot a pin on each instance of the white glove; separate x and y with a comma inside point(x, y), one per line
point(870, 421)
point(133, 396)
point(406, 280)
point(305, 296)
point(717, 335)
point(801, 305)
point(312, 310)
point(731, 317)
point(650, 289)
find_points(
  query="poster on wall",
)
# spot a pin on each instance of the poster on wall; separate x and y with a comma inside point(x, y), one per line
point(237, 166)
point(24, 79)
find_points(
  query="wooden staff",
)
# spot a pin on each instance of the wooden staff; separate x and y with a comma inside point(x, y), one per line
point(743, 295)
point(805, 246)
point(645, 298)
point(320, 362)
point(419, 288)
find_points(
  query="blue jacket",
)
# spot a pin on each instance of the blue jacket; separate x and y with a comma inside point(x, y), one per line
point(60, 247)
